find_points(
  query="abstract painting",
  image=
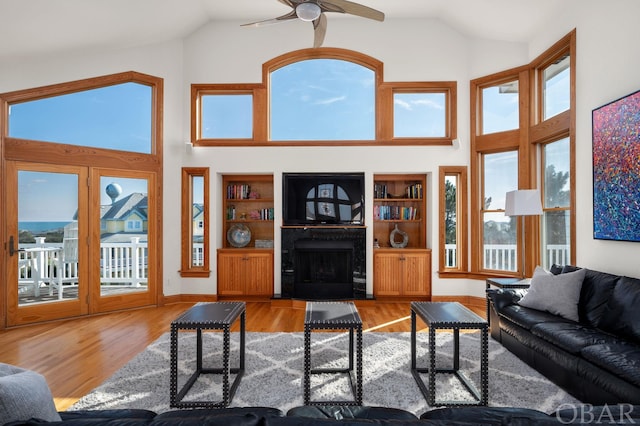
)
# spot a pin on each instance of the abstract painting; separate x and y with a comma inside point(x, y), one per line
point(616, 169)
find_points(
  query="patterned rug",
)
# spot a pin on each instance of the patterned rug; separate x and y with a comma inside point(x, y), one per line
point(274, 367)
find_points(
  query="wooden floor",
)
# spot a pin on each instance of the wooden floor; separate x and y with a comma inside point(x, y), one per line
point(77, 355)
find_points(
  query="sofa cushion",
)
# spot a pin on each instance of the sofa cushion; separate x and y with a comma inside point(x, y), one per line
point(557, 294)
point(24, 395)
point(488, 415)
point(571, 336)
point(526, 317)
point(620, 359)
point(240, 416)
point(128, 414)
point(340, 412)
point(309, 421)
point(622, 315)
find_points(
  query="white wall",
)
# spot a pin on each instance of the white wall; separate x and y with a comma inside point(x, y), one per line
point(411, 50)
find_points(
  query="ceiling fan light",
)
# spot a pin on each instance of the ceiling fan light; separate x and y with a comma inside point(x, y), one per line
point(308, 11)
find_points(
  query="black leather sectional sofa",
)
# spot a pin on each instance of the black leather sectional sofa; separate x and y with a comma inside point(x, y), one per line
point(345, 416)
point(597, 358)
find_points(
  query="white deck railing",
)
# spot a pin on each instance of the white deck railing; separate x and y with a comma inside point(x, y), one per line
point(502, 257)
point(43, 266)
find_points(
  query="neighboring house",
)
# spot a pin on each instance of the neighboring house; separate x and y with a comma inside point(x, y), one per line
point(124, 218)
point(198, 222)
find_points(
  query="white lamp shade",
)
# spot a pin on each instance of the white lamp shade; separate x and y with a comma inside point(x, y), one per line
point(523, 202)
point(308, 11)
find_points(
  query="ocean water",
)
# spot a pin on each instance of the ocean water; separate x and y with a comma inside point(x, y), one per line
point(41, 226)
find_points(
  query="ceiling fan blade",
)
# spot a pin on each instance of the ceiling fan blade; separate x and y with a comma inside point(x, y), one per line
point(319, 30)
point(289, 3)
point(290, 15)
point(351, 8)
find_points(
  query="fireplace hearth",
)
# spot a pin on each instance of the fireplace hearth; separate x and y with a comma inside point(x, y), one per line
point(323, 264)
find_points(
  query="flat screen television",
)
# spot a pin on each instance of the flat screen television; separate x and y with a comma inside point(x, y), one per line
point(316, 199)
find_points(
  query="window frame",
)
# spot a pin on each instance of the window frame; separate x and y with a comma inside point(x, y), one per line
point(39, 151)
point(188, 269)
point(383, 104)
point(461, 220)
point(257, 92)
point(556, 127)
point(527, 139)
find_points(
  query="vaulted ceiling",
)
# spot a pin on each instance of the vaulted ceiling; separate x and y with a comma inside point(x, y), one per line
point(40, 27)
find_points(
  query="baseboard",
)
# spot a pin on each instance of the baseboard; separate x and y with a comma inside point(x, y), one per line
point(469, 301)
point(190, 298)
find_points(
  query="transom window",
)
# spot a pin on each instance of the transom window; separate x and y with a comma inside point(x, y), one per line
point(556, 84)
point(112, 117)
point(322, 99)
point(500, 110)
point(419, 115)
point(227, 116)
point(324, 96)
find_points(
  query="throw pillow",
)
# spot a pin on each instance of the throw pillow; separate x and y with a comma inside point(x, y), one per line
point(24, 395)
point(557, 294)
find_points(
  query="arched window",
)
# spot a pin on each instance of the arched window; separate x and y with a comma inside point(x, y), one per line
point(323, 96)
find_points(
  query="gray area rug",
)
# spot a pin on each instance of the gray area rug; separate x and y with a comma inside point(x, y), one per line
point(275, 364)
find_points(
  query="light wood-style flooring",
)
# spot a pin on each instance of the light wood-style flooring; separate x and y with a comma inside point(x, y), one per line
point(77, 355)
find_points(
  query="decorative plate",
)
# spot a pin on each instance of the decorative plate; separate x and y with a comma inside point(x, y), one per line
point(239, 235)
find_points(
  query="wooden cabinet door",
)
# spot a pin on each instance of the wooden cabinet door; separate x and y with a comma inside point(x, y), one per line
point(259, 274)
point(231, 273)
point(402, 273)
point(245, 273)
point(388, 274)
point(417, 274)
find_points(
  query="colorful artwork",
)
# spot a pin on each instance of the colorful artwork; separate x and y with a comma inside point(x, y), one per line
point(616, 169)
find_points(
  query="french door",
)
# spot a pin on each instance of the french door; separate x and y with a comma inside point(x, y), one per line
point(81, 240)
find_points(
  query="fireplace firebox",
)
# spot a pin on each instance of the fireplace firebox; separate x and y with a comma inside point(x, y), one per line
point(323, 269)
point(323, 264)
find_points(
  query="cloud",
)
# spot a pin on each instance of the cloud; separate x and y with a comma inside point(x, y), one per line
point(428, 103)
point(408, 105)
point(330, 101)
point(403, 104)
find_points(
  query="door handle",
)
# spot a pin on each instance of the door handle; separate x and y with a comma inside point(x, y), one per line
point(12, 248)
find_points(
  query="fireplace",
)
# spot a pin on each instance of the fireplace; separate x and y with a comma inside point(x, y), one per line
point(323, 269)
point(323, 264)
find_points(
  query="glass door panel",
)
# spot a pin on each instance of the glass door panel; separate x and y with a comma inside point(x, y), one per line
point(45, 221)
point(127, 219)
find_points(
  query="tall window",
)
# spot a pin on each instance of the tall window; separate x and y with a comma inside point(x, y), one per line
point(500, 173)
point(453, 219)
point(195, 222)
point(554, 143)
point(523, 140)
point(556, 220)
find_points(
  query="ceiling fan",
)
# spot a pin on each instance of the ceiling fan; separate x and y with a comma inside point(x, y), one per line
point(314, 11)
